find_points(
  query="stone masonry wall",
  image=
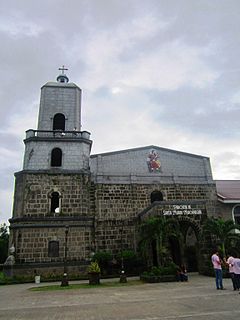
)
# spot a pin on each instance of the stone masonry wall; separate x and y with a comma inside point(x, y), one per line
point(126, 201)
point(118, 205)
point(225, 210)
point(33, 225)
point(113, 209)
point(36, 192)
point(115, 235)
point(32, 244)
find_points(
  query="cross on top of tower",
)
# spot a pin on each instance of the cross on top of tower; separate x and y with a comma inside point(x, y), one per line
point(62, 77)
point(62, 69)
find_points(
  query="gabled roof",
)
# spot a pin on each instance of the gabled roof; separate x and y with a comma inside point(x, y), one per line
point(151, 164)
point(228, 191)
point(147, 148)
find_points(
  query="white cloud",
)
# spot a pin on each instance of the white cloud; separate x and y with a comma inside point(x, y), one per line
point(236, 98)
point(9, 158)
point(20, 122)
point(116, 90)
point(115, 57)
point(6, 200)
point(143, 27)
point(16, 25)
point(170, 67)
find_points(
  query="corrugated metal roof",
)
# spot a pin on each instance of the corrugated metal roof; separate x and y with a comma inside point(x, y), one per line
point(228, 189)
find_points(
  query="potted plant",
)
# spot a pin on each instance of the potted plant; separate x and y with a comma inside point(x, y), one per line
point(94, 273)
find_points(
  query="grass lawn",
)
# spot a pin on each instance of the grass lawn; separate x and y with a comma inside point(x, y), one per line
point(107, 284)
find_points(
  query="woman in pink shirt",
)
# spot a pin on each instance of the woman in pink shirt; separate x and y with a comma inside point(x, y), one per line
point(216, 262)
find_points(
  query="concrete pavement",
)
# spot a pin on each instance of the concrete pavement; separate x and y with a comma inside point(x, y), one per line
point(197, 300)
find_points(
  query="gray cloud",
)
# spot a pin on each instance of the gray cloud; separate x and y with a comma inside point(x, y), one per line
point(209, 112)
point(165, 72)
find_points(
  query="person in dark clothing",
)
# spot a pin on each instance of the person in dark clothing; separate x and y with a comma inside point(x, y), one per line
point(182, 273)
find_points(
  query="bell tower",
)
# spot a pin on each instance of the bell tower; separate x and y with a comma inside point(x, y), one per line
point(52, 190)
point(58, 143)
point(60, 105)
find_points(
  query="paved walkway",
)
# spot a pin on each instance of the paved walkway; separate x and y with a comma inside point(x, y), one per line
point(195, 300)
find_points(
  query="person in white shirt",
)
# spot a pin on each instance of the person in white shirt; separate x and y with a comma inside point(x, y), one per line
point(216, 262)
point(236, 270)
point(229, 262)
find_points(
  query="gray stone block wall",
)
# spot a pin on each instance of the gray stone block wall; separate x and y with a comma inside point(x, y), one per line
point(119, 205)
point(60, 98)
point(75, 154)
point(33, 194)
point(134, 162)
point(116, 235)
point(126, 201)
point(32, 244)
point(225, 210)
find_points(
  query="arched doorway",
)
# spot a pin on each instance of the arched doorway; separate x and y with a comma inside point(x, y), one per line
point(190, 250)
point(175, 250)
point(190, 231)
point(156, 196)
point(164, 238)
point(154, 253)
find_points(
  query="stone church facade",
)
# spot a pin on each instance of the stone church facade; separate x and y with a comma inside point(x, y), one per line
point(69, 203)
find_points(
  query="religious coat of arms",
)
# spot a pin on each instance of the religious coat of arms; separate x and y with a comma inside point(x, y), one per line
point(153, 161)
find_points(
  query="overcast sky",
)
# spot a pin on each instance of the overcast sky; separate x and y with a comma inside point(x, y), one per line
point(156, 72)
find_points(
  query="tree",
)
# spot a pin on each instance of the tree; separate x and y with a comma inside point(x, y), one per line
point(222, 230)
point(159, 230)
point(4, 238)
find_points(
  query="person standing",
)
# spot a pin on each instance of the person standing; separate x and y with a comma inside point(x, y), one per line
point(230, 262)
point(236, 270)
point(216, 262)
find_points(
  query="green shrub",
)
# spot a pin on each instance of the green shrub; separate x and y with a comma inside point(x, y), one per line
point(4, 238)
point(15, 279)
point(156, 271)
point(171, 269)
point(129, 255)
point(102, 257)
point(131, 261)
point(111, 266)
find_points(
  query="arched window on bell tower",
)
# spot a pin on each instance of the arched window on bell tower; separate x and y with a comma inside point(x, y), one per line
point(55, 202)
point(156, 196)
point(56, 157)
point(59, 122)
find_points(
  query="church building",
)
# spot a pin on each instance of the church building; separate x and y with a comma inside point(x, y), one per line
point(69, 203)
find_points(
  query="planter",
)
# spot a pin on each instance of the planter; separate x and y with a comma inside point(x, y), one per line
point(94, 278)
point(156, 279)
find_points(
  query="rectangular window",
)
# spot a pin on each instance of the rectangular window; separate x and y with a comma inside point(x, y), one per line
point(53, 249)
